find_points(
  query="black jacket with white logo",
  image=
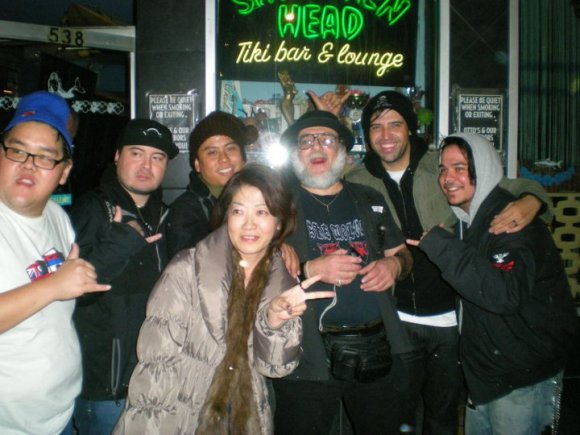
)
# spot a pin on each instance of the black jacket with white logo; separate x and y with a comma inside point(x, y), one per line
point(517, 318)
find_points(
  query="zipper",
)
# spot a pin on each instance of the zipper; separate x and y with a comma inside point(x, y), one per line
point(152, 231)
point(406, 220)
point(161, 219)
point(115, 366)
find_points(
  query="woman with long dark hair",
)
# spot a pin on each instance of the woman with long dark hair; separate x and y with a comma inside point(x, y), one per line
point(218, 321)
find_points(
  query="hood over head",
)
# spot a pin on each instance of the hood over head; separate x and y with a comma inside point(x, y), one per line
point(488, 172)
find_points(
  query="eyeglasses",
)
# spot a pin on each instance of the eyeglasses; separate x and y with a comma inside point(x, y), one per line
point(38, 160)
point(326, 140)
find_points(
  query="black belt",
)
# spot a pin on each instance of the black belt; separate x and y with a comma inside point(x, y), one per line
point(369, 328)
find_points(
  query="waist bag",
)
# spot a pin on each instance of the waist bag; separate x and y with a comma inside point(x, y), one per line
point(359, 353)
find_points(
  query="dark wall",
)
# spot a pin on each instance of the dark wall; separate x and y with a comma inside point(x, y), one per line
point(170, 58)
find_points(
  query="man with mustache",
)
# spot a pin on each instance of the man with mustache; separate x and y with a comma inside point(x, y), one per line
point(346, 234)
point(119, 227)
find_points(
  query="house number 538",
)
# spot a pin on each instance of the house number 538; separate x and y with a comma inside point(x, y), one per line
point(64, 36)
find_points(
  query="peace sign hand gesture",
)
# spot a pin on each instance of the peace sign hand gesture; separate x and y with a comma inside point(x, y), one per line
point(292, 303)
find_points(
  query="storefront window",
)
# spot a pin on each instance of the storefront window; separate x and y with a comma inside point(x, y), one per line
point(479, 69)
point(271, 53)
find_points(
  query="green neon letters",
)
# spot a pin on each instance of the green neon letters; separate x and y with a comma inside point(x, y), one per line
point(326, 21)
point(312, 21)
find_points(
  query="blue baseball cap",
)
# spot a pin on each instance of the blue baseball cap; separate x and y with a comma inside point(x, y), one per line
point(43, 107)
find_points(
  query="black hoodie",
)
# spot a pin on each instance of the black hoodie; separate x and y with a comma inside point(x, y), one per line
point(424, 292)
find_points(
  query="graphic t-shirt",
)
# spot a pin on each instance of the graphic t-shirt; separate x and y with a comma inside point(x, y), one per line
point(328, 231)
point(40, 361)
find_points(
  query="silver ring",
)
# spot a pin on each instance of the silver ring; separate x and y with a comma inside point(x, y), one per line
point(514, 223)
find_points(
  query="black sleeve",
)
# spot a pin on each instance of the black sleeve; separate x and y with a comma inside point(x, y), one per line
point(187, 224)
point(498, 283)
point(107, 245)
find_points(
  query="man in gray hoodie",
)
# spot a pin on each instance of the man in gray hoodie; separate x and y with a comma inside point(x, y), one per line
point(516, 314)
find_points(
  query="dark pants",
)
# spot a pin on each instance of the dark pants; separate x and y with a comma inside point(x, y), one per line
point(435, 377)
point(97, 417)
point(310, 407)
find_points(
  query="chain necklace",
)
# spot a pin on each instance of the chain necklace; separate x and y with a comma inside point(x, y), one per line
point(325, 204)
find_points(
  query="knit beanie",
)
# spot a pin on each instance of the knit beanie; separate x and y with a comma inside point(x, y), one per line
point(221, 124)
point(389, 100)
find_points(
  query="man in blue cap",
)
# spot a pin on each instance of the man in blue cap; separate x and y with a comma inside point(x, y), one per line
point(40, 367)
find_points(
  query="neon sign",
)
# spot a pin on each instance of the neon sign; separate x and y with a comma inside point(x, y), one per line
point(369, 41)
point(253, 52)
point(393, 10)
point(315, 21)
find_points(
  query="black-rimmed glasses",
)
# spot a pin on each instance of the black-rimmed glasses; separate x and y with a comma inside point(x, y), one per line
point(38, 160)
point(326, 140)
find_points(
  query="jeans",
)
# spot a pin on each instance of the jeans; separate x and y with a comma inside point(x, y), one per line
point(435, 378)
point(310, 407)
point(525, 411)
point(68, 429)
point(97, 417)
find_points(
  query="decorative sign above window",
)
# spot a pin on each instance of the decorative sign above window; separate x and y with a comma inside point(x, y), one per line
point(371, 42)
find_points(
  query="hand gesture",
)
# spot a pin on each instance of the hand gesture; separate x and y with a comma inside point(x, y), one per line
point(135, 225)
point(329, 101)
point(337, 268)
point(292, 303)
point(516, 215)
point(74, 278)
point(413, 242)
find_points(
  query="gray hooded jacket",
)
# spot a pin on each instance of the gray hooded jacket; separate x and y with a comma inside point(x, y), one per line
point(517, 317)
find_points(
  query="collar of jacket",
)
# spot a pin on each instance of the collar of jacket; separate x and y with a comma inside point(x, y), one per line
point(490, 206)
point(213, 276)
point(374, 165)
point(213, 266)
point(197, 186)
point(110, 185)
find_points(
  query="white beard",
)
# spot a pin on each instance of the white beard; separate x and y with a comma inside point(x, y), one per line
point(323, 181)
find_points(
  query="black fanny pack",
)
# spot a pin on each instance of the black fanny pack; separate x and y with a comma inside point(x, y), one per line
point(359, 353)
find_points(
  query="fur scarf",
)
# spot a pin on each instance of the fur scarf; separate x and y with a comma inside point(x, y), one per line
point(230, 407)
